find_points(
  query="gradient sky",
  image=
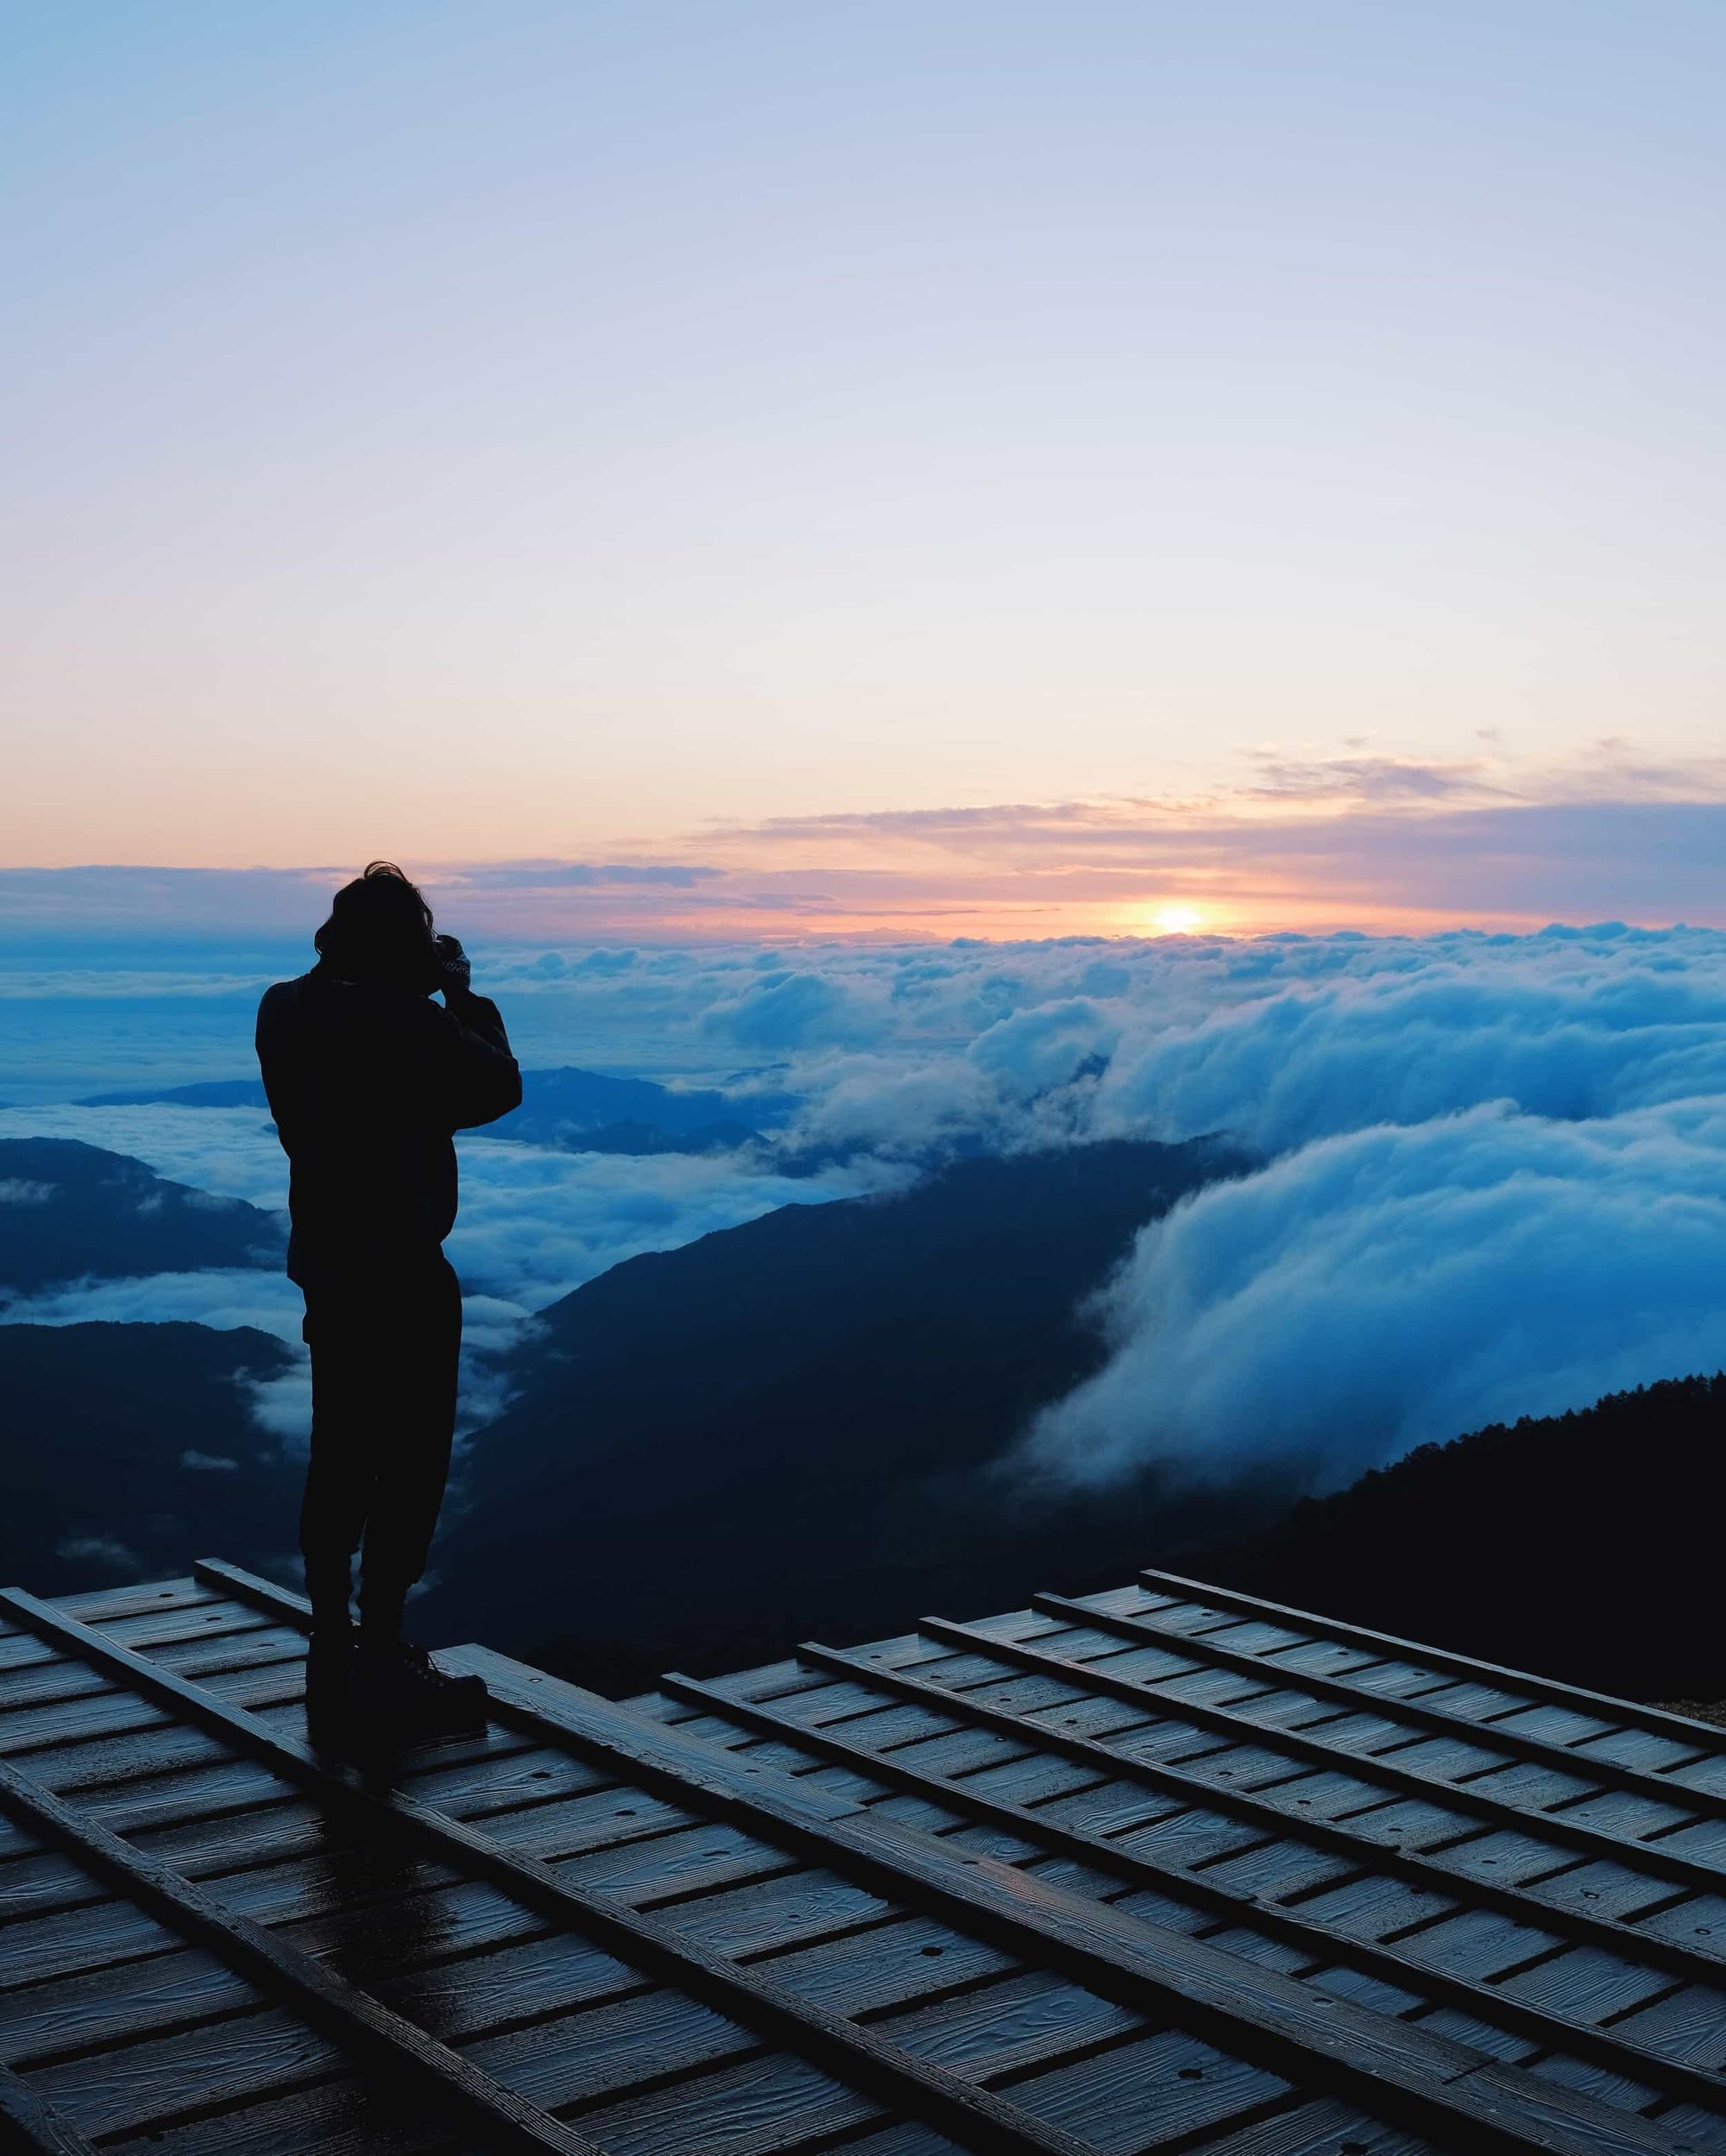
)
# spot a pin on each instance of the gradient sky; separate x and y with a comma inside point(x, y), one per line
point(811, 444)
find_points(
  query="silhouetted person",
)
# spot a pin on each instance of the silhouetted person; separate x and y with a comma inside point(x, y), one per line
point(367, 1078)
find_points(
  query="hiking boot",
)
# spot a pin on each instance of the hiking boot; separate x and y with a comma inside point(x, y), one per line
point(405, 1689)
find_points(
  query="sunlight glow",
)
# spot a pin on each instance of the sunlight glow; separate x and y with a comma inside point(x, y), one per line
point(1176, 920)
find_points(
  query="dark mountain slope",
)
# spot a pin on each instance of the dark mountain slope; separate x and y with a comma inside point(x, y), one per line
point(68, 1210)
point(128, 1450)
point(1586, 1545)
point(784, 1426)
point(208, 1093)
point(586, 1110)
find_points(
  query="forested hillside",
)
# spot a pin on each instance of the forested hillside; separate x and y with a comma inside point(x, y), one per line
point(1585, 1546)
point(789, 1427)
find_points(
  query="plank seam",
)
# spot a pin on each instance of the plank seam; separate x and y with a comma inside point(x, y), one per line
point(1548, 1691)
point(1190, 1790)
point(1611, 1774)
point(282, 1972)
point(1324, 1945)
point(1450, 1796)
point(28, 2121)
point(853, 2055)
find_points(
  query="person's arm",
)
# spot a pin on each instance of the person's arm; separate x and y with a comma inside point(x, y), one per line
point(479, 1077)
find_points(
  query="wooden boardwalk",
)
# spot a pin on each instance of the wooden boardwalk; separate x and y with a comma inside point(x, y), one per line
point(1162, 1868)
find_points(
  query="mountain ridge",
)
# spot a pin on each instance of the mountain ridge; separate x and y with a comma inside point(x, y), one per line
point(1584, 1545)
point(825, 1389)
point(69, 1211)
point(563, 1106)
point(131, 1449)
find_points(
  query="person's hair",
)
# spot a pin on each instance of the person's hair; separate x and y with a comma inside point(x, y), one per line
point(379, 931)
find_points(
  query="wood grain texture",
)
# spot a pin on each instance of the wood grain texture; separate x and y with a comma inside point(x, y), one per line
point(29, 2122)
point(326, 2011)
point(1416, 1842)
point(1602, 1828)
point(1266, 2015)
point(1518, 1683)
point(979, 2120)
point(1168, 1888)
point(1456, 1961)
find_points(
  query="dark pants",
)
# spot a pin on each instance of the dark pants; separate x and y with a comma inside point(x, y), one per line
point(385, 1348)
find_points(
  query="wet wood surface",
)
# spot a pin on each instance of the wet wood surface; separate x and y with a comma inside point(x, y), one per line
point(154, 2041)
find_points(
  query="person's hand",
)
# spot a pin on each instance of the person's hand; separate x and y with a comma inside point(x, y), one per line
point(455, 971)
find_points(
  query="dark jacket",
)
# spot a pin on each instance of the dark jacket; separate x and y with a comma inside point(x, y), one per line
point(367, 1084)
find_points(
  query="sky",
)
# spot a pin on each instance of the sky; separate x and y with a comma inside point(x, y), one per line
point(715, 470)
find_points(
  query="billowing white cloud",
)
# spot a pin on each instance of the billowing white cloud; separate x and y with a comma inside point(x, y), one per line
point(534, 1224)
point(1493, 1180)
point(1366, 1292)
point(223, 1297)
point(227, 1152)
point(281, 1406)
point(1560, 1030)
point(1466, 1136)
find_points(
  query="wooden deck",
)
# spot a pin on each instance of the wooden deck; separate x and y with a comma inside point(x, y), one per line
point(1163, 1869)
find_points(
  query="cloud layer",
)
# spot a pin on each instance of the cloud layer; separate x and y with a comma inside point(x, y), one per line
point(534, 1224)
point(1369, 1292)
point(1494, 1166)
point(1492, 1180)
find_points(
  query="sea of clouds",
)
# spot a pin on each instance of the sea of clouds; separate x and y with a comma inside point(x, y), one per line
point(1491, 1180)
point(535, 1224)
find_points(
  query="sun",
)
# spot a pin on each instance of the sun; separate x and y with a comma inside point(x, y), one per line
point(1176, 920)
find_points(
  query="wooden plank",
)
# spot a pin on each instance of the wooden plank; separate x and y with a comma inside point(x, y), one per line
point(79, 2013)
point(504, 1776)
point(232, 1650)
point(29, 1684)
point(895, 1964)
point(99, 1605)
point(767, 2104)
point(619, 2048)
point(309, 1989)
point(1700, 1736)
point(1095, 1943)
point(108, 1713)
point(1376, 1773)
point(973, 2117)
point(908, 2138)
point(206, 1789)
point(31, 1884)
point(522, 1984)
point(143, 2086)
point(28, 2122)
point(1382, 1841)
point(471, 1995)
point(173, 1747)
point(106, 1932)
point(1027, 2020)
point(1165, 2087)
point(1010, 2026)
point(705, 1854)
point(341, 2117)
point(1253, 2011)
point(1325, 2128)
point(156, 1627)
